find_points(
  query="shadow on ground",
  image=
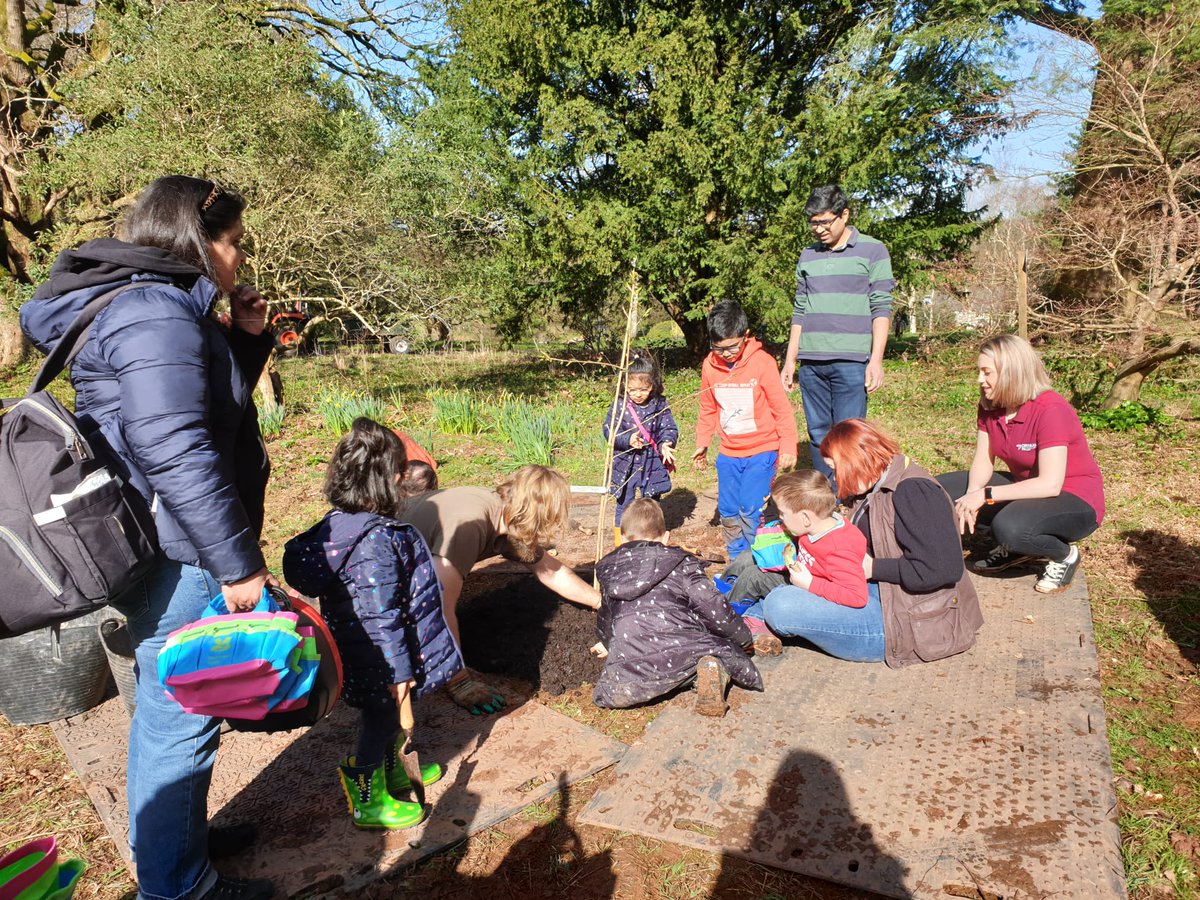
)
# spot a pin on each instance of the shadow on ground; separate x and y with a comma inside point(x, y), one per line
point(1168, 574)
point(678, 507)
point(838, 840)
point(549, 861)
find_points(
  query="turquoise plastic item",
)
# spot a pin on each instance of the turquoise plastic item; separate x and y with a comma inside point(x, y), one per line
point(69, 874)
point(773, 547)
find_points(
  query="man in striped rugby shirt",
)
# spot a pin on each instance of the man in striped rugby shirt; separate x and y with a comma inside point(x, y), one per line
point(840, 320)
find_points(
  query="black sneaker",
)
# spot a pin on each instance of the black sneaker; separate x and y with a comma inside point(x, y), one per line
point(999, 559)
point(1058, 575)
point(240, 889)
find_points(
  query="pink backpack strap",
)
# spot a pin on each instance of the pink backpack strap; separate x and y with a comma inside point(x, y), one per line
point(640, 427)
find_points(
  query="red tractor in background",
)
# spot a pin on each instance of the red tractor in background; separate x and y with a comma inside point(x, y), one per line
point(288, 325)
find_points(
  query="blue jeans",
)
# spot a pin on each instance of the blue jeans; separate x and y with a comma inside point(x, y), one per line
point(743, 486)
point(842, 631)
point(171, 752)
point(830, 392)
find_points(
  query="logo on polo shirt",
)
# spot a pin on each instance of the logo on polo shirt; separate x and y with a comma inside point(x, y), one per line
point(1026, 446)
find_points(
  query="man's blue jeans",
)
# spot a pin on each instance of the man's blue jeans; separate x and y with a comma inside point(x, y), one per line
point(170, 751)
point(743, 486)
point(842, 631)
point(830, 392)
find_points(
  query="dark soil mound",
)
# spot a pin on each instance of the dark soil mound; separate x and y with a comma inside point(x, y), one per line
point(513, 626)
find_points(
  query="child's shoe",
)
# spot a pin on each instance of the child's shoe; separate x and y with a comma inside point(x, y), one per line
point(371, 806)
point(711, 682)
point(398, 781)
point(766, 642)
point(617, 539)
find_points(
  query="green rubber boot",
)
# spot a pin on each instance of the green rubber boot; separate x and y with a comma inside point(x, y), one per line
point(371, 806)
point(398, 781)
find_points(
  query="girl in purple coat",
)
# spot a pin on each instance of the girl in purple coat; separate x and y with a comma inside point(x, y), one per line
point(644, 447)
point(380, 595)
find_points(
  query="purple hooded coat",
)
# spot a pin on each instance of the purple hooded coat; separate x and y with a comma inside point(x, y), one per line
point(658, 615)
point(642, 468)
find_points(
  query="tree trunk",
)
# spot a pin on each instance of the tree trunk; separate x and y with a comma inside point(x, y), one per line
point(695, 335)
point(270, 385)
point(1128, 380)
point(438, 330)
point(13, 347)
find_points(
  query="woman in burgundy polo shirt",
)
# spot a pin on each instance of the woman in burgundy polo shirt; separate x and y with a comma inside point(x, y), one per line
point(1052, 495)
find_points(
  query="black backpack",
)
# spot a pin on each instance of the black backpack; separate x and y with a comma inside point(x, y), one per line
point(73, 533)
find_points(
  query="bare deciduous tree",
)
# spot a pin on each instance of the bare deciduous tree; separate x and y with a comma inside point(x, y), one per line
point(1130, 232)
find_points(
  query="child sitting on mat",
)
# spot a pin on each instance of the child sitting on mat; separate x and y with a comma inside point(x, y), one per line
point(663, 623)
point(382, 601)
point(828, 560)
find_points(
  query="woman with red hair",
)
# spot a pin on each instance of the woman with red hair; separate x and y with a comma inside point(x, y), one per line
point(922, 605)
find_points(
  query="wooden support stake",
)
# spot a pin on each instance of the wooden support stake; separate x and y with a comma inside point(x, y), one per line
point(1023, 294)
point(631, 321)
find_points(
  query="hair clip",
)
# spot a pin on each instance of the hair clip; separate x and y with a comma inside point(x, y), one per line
point(211, 199)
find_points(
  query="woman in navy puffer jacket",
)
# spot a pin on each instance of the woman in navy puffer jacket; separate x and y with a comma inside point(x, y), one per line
point(169, 389)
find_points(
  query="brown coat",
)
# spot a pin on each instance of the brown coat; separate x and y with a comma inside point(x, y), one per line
point(918, 627)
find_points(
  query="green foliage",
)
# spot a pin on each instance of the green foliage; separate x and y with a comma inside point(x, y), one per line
point(662, 336)
point(270, 419)
point(532, 431)
point(527, 433)
point(686, 137)
point(458, 412)
point(1128, 416)
point(562, 420)
point(350, 217)
point(338, 409)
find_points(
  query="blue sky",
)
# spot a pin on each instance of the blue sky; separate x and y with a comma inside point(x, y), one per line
point(1053, 75)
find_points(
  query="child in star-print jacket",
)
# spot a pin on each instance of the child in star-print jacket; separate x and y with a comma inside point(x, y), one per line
point(380, 596)
point(661, 618)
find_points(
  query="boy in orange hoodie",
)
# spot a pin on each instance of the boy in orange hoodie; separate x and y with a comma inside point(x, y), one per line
point(743, 400)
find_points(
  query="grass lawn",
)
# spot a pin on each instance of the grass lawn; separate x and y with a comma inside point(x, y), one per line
point(1143, 570)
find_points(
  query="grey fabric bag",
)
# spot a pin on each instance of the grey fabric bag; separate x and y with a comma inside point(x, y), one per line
point(73, 532)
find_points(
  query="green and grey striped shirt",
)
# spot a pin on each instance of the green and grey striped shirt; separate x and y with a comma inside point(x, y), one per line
point(838, 294)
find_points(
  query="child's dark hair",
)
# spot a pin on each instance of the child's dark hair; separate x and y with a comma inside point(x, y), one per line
point(365, 470)
point(727, 320)
point(642, 362)
point(826, 198)
point(419, 477)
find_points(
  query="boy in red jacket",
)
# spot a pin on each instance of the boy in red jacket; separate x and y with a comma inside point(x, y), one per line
point(743, 400)
point(829, 551)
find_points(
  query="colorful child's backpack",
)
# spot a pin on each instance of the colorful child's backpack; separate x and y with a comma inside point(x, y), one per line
point(34, 871)
point(773, 547)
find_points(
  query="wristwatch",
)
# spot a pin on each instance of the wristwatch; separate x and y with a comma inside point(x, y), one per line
point(987, 496)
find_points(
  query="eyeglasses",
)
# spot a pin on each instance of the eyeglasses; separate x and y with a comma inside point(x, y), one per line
point(728, 349)
point(822, 224)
